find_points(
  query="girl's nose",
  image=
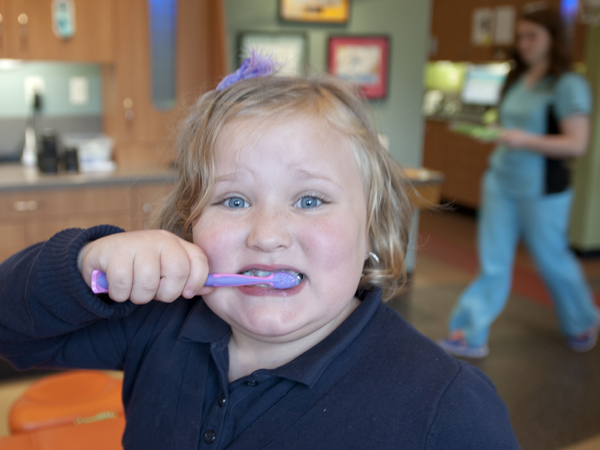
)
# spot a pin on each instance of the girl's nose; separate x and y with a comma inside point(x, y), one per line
point(269, 230)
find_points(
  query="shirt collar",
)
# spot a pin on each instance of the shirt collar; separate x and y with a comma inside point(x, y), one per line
point(308, 367)
point(203, 325)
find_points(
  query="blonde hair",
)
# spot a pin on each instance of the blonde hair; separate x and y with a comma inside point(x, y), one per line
point(389, 211)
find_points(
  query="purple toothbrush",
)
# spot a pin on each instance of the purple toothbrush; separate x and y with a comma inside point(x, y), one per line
point(277, 280)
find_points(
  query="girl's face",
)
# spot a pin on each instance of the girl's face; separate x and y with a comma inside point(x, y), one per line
point(533, 42)
point(288, 196)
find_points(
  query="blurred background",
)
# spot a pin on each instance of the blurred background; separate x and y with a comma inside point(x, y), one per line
point(91, 92)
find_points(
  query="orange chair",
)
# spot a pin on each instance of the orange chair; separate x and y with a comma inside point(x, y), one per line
point(68, 398)
point(102, 435)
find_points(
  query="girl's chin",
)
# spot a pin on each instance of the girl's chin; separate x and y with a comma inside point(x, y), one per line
point(272, 333)
point(272, 324)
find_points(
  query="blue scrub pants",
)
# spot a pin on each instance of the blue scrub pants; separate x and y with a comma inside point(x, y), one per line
point(542, 222)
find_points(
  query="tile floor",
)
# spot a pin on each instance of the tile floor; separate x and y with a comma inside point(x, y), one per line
point(553, 395)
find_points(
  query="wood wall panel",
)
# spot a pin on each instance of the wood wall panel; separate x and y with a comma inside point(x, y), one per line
point(201, 62)
point(91, 42)
point(451, 29)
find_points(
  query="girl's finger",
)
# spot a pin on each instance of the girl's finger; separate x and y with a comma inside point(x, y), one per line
point(175, 271)
point(198, 270)
point(146, 277)
point(119, 277)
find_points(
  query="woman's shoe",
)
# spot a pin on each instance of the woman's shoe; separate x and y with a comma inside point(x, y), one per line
point(456, 345)
point(585, 341)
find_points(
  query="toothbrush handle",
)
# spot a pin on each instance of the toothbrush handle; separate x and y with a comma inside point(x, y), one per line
point(100, 283)
point(230, 279)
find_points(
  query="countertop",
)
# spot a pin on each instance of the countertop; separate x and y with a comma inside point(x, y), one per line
point(423, 177)
point(15, 177)
point(472, 118)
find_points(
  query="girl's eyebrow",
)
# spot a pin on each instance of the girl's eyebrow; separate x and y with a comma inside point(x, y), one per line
point(297, 175)
point(231, 176)
point(303, 175)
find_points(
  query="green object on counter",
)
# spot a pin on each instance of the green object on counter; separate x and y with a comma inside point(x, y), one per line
point(445, 76)
point(479, 132)
point(490, 117)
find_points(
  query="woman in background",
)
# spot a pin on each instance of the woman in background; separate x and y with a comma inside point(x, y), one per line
point(545, 111)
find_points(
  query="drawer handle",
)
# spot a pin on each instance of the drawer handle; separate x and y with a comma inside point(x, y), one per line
point(30, 205)
point(128, 106)
point(23, 30)
point(147, 207)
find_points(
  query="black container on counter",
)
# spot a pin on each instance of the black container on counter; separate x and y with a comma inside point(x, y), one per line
point(70, 159)
point(47, 156)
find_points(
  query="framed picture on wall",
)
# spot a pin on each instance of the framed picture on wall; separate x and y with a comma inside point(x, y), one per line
point(319, 11)
point(289, 49)
point(363, 60)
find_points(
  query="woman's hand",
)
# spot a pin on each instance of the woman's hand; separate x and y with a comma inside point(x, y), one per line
point(515, 138)
point(146, 265)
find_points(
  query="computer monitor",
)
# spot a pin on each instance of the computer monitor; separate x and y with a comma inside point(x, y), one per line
point(483, 84)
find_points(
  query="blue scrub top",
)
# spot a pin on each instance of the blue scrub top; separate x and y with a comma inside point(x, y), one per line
point(521, 172)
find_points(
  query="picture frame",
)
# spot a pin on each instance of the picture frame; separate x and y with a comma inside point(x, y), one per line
point(290, 49)
point(315, 11)
point(363, 60)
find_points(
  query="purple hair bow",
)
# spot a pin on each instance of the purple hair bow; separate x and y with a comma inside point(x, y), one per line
point(255, 66)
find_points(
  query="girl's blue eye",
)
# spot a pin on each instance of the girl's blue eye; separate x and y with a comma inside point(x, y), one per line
point(309, 202)
point(235, 203)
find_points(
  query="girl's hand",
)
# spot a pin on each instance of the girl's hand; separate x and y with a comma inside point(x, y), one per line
point(146, 265)
point(515, 138)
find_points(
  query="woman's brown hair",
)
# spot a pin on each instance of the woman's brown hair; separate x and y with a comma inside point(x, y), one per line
point(560, 52)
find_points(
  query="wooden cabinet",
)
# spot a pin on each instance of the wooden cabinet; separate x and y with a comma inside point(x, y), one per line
point(142, 132)
point(462, 160)
point(145, 201)
point(3, 32)
point(27, 31)
point(32, 216)
point(451, 28)
point(12, 240)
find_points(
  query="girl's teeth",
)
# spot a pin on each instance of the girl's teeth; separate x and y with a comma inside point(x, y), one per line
point(263, 273)
point(257, 273)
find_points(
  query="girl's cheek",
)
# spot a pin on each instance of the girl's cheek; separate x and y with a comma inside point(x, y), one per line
point(334, 240)
point(215, 236)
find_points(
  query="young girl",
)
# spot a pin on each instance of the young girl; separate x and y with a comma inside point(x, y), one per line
point(276, 174)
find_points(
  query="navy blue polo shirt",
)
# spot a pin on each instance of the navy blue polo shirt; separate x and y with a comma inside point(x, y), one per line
point(374, 382)
point(229, 409)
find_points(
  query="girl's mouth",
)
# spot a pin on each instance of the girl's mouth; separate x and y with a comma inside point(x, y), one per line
point(265, 273)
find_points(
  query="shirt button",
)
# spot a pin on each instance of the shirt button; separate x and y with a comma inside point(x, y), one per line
point(222, 400)
point(210, 436)
point(251, 383)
